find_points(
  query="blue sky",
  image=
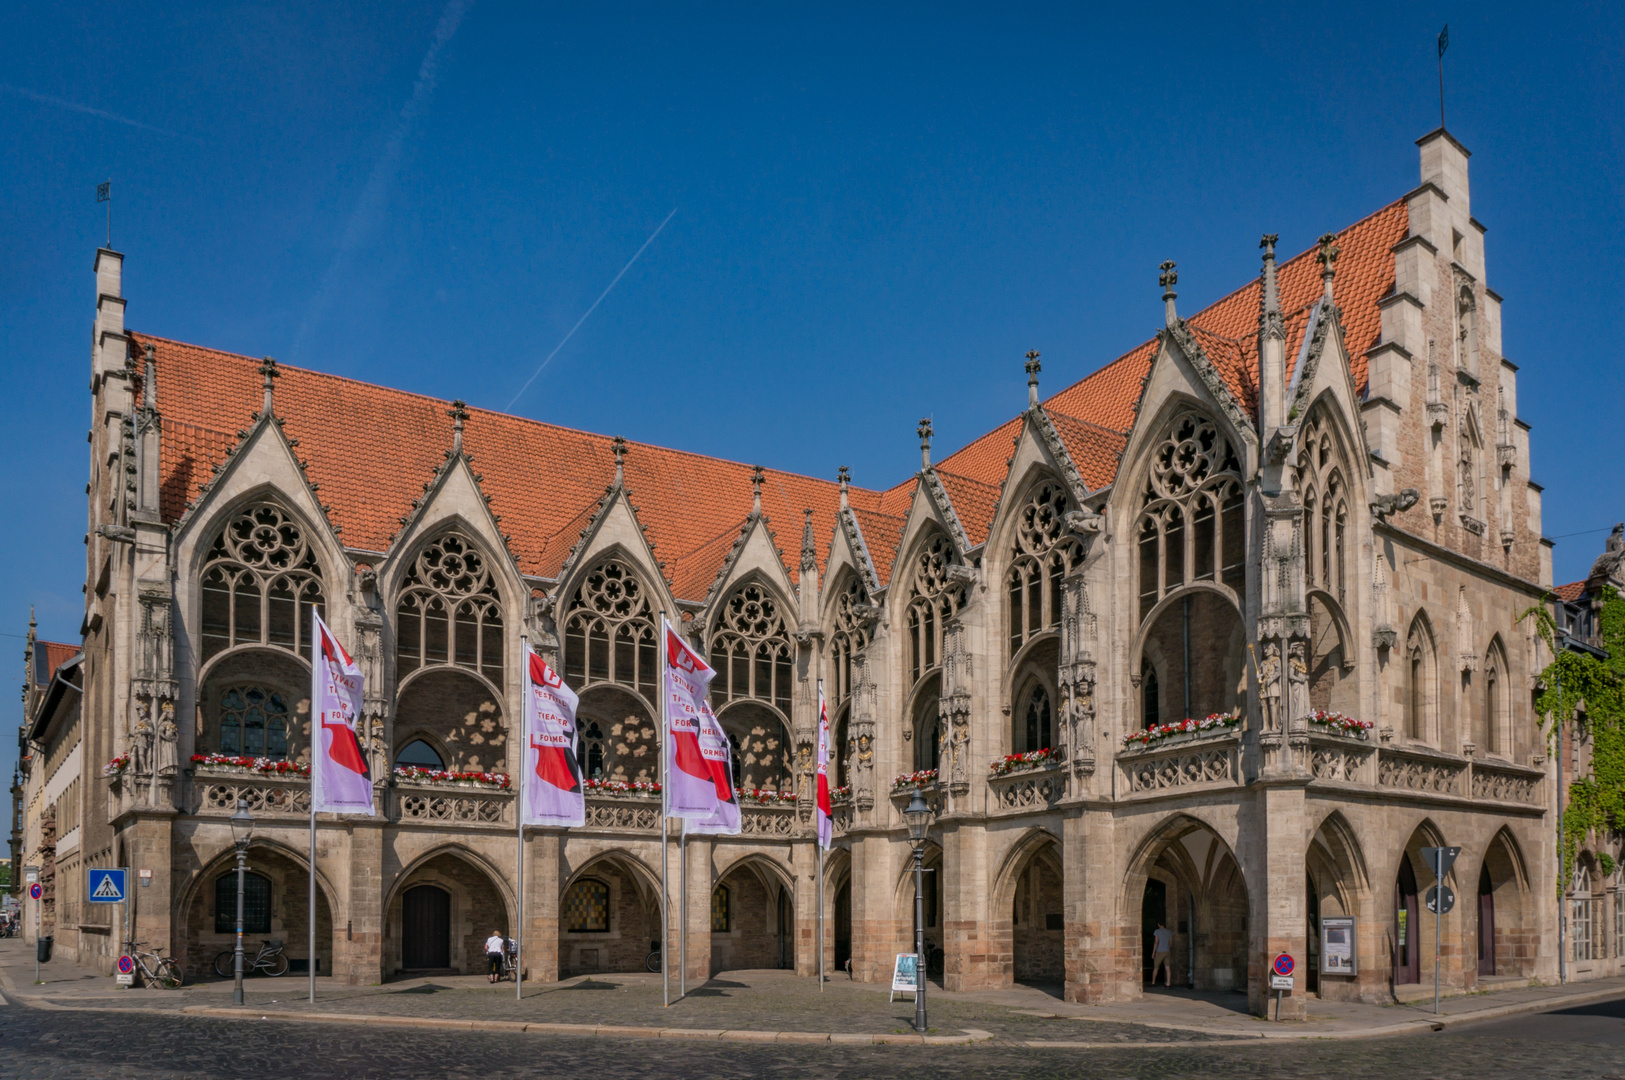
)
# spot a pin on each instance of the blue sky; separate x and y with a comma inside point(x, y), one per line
point(879, 209)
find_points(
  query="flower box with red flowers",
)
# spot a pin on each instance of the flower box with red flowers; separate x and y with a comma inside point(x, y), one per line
point(1338, 724)
point(911, 780)
point(232, 765)
point(116, 767)
point(1181, 730)
point(1046, 758)
point(416, 774)
point(622, 789)
point(766, 797)
point(840, 796)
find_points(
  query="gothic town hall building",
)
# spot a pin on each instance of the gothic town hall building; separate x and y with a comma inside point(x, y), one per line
point(1302, 517)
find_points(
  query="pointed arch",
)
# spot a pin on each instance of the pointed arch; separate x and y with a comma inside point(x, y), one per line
point(450, 605)
point(1493, 729)
point(749, 645)
point(608, 624)
point(935, 595)
point(1421, 675)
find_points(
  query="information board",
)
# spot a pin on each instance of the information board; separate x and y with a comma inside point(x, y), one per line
point(1337, 952)
point(905, 974)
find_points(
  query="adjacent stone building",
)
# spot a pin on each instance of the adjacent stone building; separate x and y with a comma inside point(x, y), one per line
point(1302, 517)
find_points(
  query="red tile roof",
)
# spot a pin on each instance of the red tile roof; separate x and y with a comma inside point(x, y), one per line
point(1571, 592)
point(48, 656)
point(370, 448)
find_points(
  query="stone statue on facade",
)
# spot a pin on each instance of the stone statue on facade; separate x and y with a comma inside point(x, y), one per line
point(165, 763)
point(141, 740)
point(1297, 675)
point(1269, 686)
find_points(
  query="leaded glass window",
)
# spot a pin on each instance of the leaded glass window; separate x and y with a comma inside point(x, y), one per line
point(586, 907)
point(450, 611)
point(260, 583)
point(750, 650)
point(254, 722)
point(609, 631)
point(256, 903)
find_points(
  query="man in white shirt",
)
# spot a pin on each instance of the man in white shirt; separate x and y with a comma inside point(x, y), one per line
point(1162, 944)
point(495, 945)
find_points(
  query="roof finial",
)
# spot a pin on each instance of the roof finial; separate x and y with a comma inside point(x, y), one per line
point(620, 460)
point(149, 380)
point(1033, 368)
point(458, 413)
point(843, 476)
point(269, 371)
point(925, 442)
point(809, 547)
point(756, 490)
point(1269, 297)
point(1168, 279)
point(1328, 260)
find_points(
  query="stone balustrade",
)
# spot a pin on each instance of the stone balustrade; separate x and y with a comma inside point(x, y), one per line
point(1199, 762)
point(1028, 789)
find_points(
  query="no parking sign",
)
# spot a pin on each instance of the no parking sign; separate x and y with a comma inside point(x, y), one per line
point(35, 891)
point(126, 971)
point(1281, 972)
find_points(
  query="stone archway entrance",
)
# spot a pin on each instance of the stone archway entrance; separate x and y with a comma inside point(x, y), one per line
point(1407, 943)
point(843, 923)
point(440, 915)
point(1189, 881)
point(609, 919)
point(278, 909)
point(1037, 920)
point(752, 920)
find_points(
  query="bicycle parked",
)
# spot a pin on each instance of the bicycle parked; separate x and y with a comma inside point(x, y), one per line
point(652, 961)
point(269, 959)
point(155, 970)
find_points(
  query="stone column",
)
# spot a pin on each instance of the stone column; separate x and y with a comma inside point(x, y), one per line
point(353, 857)
point(804, 866)
point(152, 909)
point(1273, 867)
point(541, 905)
point(879, 925)
point(1095, 956)
point(975, 937)
point(701, 879)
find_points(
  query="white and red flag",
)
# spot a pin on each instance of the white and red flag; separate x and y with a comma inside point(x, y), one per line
point(699, 761)
point(553, 792)
point(339, 781)
point(822, 813)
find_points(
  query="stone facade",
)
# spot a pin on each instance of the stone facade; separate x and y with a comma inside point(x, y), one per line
point(1312, 500)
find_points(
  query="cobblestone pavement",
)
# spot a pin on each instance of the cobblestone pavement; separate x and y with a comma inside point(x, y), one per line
point(67, 1044)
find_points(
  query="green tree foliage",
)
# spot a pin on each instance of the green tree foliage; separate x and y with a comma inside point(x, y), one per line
point(1574, 680)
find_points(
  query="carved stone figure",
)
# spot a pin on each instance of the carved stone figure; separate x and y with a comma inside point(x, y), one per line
point(1297, 675)
point(141, 740)
point(1384, 505)
point(168, 733)
point(1269, 685)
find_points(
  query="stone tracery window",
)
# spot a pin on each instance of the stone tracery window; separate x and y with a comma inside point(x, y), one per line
point(935, 598)
point(1043, 555)
point(1325, 506)
point(450, 612)
point(1036, 726)
point(850, 638)
point(260, 582)
point(254, 722)
point(609, 631)
point(750, 650)
point(1192, 525)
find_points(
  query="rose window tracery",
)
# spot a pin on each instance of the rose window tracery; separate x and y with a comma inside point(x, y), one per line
point(935, 598)
point(260, 583)
point(1192, 526)
point(1042, 557)
point(609, 631)
point(450, 611)
point(750, 650)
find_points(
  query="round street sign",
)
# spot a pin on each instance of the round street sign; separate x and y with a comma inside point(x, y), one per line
point(1284, 964)
point(126, 965)
point(1433, 899)
point(35, 891)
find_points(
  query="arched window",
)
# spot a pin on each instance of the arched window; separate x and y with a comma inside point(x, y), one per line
point(839, 751)
point(1042, 557)
point(1036, 728)
point(935, 598)
point(1582, 930)
point(450, 612)
point(253, 722)
point(421, 754)
point(1467, 330)
point(1191, 527)
point(586, 907)
point(1418, 683)
point(260, 583)
point(590, 749)
point(1320, 472)
point(850, 638)
point(751, 650)
point(1492, 707)
point(609, 631)
point(720, 921)
point(256, 903)
point(927, 733)
point(1150, 705)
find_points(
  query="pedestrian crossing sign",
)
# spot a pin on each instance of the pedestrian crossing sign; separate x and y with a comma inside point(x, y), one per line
point(107, 886)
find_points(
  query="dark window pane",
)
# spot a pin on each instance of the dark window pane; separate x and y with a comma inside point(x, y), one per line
point(216, 628)
point(418, 752)
point(281, 614)
point(466, 636)
point(246, 616)
point(256, 903)
point(435, 631)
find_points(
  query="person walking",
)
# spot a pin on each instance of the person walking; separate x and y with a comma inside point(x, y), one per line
point(1162, 944)
point(494, 946)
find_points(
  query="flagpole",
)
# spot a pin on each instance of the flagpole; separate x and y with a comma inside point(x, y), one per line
point(818, 838)
point(315, 749)
point(519, 817)
point(682, 918)
point(665, 824)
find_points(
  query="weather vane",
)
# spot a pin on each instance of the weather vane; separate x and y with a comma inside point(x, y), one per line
point(104, 193)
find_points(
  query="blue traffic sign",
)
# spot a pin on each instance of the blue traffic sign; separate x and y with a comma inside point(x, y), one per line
point(107, 886)
point(1284, 964)
point(35, 891)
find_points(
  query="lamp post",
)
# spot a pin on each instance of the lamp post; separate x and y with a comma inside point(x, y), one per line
point(918, 816)
point(242, 828)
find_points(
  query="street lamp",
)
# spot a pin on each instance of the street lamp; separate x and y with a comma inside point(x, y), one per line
point(242, 828)
point(918, 816)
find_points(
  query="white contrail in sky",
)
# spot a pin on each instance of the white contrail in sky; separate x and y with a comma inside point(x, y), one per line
point(73, 106)
point(589, 311)
point(369, 209)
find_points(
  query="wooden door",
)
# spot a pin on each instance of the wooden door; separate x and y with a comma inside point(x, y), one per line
point(426, 928)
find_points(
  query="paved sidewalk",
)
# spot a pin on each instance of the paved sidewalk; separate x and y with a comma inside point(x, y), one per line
point(774, 1005)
